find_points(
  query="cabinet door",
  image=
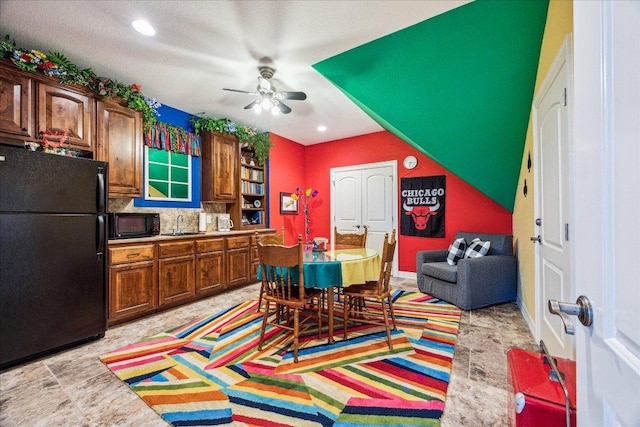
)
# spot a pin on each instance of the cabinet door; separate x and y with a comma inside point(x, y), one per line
point(238, 262)
point(219, 168)
point(177, 279)
point(119, 142)
point(66, 110)
point(210, 273)
point(132, 290)
point(16, 105)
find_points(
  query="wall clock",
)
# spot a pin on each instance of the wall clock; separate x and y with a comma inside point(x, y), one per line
point(410, 162)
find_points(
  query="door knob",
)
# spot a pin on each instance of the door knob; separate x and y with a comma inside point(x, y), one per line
point(582, 309)
point(536, 239)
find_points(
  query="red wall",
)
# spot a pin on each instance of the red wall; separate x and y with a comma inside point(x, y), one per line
point(292, 165)
point(286, 172)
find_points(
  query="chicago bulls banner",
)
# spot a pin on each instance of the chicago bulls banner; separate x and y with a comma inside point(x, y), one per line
point(423, 202)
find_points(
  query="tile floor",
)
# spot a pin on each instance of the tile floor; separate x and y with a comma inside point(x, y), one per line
point(74, 388)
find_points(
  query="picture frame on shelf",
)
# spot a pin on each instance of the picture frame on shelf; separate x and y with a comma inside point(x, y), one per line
point(288, 205)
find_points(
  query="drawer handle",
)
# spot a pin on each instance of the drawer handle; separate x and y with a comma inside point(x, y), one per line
point(133, 255)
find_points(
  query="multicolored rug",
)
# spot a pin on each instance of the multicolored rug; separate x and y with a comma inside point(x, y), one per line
point(210, 372)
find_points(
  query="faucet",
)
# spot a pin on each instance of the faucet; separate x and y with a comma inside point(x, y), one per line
point(179, 220)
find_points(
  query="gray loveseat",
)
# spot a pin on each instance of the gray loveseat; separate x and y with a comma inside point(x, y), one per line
point(473, 282)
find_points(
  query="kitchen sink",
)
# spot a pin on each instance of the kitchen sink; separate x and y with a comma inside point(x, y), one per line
point(186, 233)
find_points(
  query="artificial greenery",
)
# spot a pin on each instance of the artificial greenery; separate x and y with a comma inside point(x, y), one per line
point(57, 65)
point(259, 143)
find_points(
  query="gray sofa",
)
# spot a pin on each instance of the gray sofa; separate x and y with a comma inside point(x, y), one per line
point(473, 282)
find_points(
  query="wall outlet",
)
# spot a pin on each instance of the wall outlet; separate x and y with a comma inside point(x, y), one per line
point(208, 219)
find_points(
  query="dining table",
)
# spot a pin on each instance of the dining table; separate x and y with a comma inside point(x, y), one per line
point(339, 266)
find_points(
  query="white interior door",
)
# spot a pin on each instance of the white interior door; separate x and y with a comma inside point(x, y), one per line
point(551, 153)
point(365, 196)
point(605, 180)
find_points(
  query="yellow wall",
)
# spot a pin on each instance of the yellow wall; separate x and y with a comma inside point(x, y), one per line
point(559, 24)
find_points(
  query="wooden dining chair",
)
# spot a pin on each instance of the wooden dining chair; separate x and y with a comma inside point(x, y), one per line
point(282, 273)
point(268, 239)
point(352, 239)
point(379, 290)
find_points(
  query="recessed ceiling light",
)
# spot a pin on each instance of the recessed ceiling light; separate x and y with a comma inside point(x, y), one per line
point(143, 27)
point(322, 128)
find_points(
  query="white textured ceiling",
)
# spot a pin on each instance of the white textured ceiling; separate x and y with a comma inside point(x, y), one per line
point(202, 46)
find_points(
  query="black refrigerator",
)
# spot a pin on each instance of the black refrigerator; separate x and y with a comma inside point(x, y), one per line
point(52, 253)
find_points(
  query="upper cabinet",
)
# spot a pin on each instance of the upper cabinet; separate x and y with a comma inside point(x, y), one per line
point(16, 105)
point(35, 107)
point(219, 167)
point(119, 142)
point(64, 110)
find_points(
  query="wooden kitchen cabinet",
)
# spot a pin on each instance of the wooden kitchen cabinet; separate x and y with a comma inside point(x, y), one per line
point(176, 264)
point(65, 109)
point(219, 167)
point(132, 282)
point(210, 273)
point(119, 142)
point(16, 104)
point(238, 260)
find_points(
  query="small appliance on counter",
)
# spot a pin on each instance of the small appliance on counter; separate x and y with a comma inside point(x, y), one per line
point(224, 222)
point(126, 225)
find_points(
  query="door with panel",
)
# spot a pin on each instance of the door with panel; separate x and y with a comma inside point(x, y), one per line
point(365, 196)
point(551, 114)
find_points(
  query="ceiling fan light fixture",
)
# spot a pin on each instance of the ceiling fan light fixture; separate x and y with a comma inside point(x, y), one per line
point(266, 103)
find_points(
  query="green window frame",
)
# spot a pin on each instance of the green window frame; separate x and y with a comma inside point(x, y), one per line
point(168, 176)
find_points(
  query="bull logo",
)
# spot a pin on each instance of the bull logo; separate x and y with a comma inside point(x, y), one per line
point(421, 214)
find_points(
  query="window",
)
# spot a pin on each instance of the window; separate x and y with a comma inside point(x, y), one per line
point(168, 176)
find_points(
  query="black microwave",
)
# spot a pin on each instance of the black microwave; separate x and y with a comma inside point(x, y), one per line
point(133, 224)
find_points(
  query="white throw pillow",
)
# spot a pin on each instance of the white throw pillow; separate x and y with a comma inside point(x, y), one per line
point(477, 248)
point(456, 251)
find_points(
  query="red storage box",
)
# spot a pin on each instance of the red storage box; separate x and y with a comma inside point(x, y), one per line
point(535, 399)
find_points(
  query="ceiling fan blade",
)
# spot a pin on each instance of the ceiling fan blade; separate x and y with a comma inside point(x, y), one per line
point(252, 104)
point(297, 96)
point(284, 108)
point(241, 91)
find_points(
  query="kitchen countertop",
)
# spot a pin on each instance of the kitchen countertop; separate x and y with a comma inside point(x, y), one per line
point(160, 237)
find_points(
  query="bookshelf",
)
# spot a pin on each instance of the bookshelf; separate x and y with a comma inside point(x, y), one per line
point(250, 210)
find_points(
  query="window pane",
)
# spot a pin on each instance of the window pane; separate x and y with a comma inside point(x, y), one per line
point(158, 189)
point(179, 191)
point(160, 156)
point(180, 175)
point(160, 172)
point(178, 159)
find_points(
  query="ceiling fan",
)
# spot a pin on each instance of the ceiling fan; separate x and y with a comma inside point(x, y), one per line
point(268, 97)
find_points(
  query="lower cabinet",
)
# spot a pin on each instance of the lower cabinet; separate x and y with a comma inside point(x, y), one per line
point(133, 289)
point(238, 260)
point(157, 273)
point(210, 277)
point(177, 272)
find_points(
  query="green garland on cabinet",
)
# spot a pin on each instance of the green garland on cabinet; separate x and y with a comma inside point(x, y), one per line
point(259, 142)
point(57, 65)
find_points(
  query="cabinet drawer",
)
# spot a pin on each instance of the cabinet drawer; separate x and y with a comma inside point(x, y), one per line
point(127, 254)
point(238, 242)
point(175, 249)
point(209, 245)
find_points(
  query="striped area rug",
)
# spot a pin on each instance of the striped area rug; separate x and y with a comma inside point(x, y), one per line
point(209, 371)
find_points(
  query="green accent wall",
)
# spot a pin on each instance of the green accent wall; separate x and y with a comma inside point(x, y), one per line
point(458, 87)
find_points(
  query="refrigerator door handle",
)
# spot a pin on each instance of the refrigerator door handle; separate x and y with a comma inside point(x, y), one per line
point(101, 235)
point(101, 190)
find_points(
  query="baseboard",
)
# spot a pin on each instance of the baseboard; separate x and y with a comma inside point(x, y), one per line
point(407, 275)
point(527, 318)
